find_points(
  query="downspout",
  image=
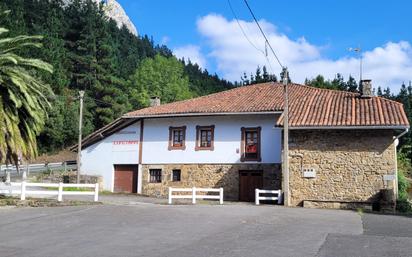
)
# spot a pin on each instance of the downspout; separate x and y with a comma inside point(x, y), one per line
point(396, 142)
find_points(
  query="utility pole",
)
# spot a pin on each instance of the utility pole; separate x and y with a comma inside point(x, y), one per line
point(79, 149)
point(286, 200)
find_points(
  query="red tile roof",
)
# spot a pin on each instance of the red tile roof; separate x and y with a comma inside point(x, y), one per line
point(308, 106)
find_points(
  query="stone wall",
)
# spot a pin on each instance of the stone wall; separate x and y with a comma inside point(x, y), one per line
point(349, 165)
point(68, 177)
point(208, 175)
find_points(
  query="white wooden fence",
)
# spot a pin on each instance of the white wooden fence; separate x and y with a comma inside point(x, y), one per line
point(24, 189)
point(278, 196)
point(194, 194)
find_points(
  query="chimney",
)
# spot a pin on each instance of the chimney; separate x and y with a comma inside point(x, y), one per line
point(366, 88)
point(154, 101)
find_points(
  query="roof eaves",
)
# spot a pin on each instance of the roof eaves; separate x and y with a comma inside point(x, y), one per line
point(346, 127)
point(199, 114)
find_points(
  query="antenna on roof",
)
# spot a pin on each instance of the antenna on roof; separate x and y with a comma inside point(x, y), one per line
point(359, 51)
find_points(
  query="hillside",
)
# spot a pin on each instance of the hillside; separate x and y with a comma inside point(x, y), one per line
point(118, 70)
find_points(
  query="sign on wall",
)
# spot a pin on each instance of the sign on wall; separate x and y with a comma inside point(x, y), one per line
point(125, 141)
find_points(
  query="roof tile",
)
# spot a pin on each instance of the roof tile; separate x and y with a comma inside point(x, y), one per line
point(308, 106)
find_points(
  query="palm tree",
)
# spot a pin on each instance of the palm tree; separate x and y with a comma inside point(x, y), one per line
point(23, 98)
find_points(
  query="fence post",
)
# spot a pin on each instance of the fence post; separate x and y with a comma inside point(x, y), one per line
point(221, 195)
point(257, 196)
point(60, 193)
point(23, 191)
point(170, 195)
point(96, 192)
point(24, 176)
point(280, 196)
point(28, 169)
point(194, 195)
point(8, 180)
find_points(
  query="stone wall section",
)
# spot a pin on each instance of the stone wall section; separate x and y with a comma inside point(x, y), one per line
point(208, 176)
point(349, 165)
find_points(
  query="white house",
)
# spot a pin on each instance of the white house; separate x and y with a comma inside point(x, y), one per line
point(233, 139)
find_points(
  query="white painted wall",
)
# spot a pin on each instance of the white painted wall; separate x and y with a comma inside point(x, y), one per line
point(227, 139)
point(99, 158)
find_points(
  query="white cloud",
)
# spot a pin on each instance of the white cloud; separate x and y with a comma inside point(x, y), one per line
point(386, 65)
point(192, 53)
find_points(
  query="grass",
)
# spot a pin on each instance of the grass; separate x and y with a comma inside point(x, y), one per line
point(40, 202)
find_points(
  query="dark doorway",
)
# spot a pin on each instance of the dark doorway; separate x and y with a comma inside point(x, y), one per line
point(248, 182)
point(125, 178)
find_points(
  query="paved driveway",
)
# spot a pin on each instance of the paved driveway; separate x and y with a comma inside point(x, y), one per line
point(201, 230)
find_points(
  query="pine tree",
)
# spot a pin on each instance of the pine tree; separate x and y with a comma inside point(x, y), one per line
point(351, 85)
point(379, 93)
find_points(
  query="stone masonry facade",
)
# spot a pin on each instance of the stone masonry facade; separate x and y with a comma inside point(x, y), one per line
point(208, 176)
point(349, 165)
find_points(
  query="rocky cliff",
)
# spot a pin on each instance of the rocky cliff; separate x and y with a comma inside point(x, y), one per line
point(116, 12)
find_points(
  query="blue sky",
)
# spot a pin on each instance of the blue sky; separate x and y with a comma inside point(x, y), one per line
point(310, 37)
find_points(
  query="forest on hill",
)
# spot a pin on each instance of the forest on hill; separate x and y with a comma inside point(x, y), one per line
point(117, 70)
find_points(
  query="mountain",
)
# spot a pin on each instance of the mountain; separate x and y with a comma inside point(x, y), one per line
point(116, 12)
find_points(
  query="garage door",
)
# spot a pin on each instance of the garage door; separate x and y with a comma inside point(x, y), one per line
point(248, 182)
point(125, 178)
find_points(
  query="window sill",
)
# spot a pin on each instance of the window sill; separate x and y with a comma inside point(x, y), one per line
point(251, 160)
point(204, 148)
point(171, 148)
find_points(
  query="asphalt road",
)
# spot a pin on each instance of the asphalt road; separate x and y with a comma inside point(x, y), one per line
point(202, 230)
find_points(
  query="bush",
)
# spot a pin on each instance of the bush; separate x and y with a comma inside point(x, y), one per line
point(403, 186)
point(403, 204)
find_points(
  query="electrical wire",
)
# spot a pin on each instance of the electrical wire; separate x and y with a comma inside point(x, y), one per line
point(263, 33)
point(249, 40)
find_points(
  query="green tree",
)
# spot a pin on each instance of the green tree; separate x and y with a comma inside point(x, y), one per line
point(23, 98)
point(352, 85)
point(160, 76)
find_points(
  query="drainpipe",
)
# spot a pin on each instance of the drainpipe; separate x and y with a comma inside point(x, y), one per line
point(396, 140)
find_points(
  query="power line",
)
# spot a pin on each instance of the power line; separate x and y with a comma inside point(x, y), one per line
point(241, 28)
point(263, 33)
point(248, 39)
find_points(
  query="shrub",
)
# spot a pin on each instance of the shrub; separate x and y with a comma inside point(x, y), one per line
point(403, 204)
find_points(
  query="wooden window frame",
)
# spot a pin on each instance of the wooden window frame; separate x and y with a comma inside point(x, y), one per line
point(212, 143)
point(171, 146)
point(150, 176)
point(243, 157)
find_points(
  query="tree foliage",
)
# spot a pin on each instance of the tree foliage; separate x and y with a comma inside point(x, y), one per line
point(159, 76)
point(260, 76)
point(23, 98)
point(89, 52)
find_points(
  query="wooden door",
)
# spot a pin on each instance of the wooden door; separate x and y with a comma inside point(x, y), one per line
point(125, 178)
point(248, 182)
